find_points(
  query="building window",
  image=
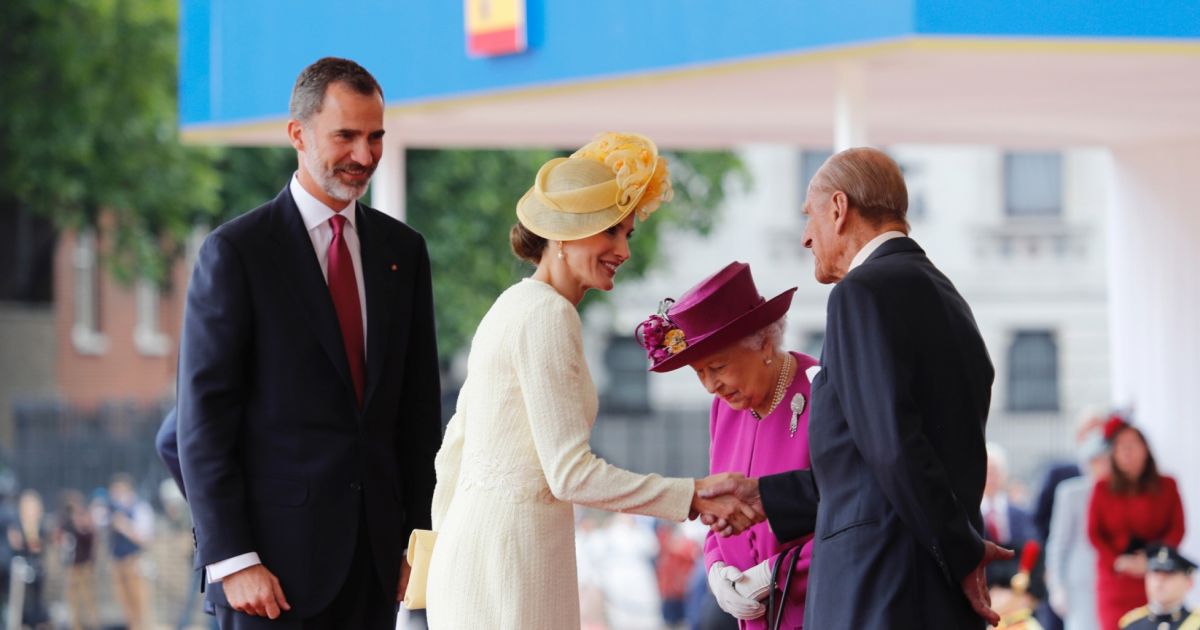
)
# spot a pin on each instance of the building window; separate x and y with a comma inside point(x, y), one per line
point(810, 163)
point(628, 389)
point(1033, 371)
point(27, 243)
point(85, 331)
point(1033, 184)
point(914, 181)
point(147, 336)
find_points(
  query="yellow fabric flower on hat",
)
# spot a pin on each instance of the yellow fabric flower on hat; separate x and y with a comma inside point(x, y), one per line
point(675, 341)
point(642, 175)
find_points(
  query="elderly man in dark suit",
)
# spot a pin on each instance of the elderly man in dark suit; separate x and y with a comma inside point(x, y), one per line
point(897, 429)
point(308, 406)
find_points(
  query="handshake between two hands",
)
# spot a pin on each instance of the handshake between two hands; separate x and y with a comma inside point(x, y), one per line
point(728, 503)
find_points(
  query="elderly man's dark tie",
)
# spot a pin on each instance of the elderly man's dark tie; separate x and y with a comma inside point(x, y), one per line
point(344, 290)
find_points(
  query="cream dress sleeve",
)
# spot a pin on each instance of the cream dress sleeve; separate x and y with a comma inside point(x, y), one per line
point(550, 368)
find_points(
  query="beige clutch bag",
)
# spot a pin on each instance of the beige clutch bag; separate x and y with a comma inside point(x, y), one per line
point(420, 550)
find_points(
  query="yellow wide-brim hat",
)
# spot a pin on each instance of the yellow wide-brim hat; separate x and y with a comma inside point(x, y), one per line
point(596, 188)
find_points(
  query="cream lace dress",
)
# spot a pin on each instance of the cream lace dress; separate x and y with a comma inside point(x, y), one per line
point(514, 459)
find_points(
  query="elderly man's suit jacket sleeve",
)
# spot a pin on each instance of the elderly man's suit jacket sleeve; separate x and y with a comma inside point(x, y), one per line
point(790, 501)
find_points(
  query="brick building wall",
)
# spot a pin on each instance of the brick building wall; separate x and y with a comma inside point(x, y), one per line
point(108, 353)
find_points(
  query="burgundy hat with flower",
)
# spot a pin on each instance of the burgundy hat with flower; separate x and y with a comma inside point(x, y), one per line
point(718, 311)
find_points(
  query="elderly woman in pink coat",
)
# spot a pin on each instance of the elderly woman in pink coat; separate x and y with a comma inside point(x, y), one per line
point(731, 336)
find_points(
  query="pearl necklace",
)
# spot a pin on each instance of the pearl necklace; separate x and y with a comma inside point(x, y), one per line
point(780, 386)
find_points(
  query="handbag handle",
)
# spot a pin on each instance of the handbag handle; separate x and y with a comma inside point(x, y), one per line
point(790, 556)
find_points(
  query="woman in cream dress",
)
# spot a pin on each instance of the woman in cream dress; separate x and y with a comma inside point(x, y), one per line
point(515, 456)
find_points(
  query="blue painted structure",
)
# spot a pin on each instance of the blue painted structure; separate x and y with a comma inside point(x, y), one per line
point(238, 58)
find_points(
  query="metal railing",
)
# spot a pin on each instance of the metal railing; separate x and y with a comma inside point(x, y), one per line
point(57, 446)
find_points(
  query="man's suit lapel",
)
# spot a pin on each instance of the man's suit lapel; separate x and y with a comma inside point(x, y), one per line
point(379, 272)
point(301, 273)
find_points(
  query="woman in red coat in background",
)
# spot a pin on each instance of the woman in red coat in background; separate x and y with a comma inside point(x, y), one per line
point(1133, 508)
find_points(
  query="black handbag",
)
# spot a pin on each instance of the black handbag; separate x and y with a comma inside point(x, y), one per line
point(775, 615)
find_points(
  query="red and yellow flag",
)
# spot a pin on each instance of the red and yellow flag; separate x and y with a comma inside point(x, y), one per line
point(495, 27)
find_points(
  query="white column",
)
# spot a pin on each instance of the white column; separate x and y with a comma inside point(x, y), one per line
point(1154, 258)
point(387, 186)
point(849, 107)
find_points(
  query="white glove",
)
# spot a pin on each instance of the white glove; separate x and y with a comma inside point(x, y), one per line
point(721, 578)
point(755, 582)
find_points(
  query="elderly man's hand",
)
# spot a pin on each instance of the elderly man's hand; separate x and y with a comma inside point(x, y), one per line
point(744, 491)
point(974, 585)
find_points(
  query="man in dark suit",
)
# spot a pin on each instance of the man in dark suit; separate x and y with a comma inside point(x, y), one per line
point(897, 429)
point(308, 406)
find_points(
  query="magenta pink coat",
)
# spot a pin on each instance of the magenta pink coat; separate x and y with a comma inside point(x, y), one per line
point(756, 448)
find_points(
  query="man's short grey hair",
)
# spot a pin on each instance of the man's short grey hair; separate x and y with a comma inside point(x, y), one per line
point(309, 92)
point(871, 180)
point(771, 333)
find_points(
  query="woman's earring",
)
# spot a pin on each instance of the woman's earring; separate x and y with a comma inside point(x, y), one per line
point(560, 250)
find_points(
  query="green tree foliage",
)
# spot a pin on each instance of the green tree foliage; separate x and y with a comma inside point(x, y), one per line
point(88, 124)
point(251, 176)
point(464, 202)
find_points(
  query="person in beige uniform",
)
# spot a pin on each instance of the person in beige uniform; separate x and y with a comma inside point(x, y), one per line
point(515, 457)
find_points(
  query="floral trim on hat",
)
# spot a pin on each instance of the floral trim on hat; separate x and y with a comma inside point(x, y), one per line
point(660, 336)
point(642, 176)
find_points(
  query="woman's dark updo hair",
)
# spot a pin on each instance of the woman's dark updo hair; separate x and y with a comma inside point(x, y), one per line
point(525, 244)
